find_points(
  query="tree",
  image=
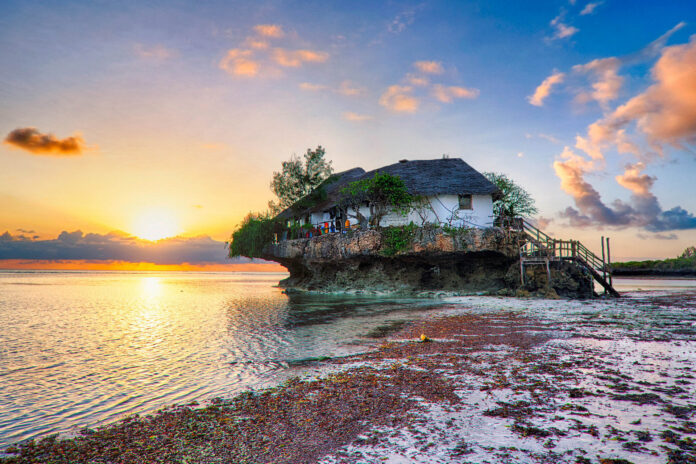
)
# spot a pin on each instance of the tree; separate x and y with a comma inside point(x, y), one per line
point(514, 201)
point(252, 235)
point(298, 178)
point(383, 193)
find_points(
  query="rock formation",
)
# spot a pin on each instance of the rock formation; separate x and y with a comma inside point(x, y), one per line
point(416, 260)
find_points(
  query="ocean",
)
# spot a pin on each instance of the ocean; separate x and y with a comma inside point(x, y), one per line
point(81, 349)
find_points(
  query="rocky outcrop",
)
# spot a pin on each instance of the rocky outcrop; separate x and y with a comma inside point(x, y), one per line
point(404, 260)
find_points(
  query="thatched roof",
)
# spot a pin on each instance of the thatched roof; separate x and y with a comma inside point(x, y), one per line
point(442, 176)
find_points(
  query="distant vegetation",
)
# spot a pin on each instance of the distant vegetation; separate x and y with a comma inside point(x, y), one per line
point(684, 264)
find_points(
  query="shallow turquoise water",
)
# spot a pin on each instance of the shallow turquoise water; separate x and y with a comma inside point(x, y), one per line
point(78, 349)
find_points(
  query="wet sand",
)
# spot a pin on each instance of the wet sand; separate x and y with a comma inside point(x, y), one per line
point(502, 380)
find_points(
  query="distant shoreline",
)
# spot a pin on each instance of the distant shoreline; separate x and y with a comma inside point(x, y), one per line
point(686, 273)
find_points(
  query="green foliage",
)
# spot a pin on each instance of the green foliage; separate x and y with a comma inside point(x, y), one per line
point(298, 178)
point(252, 235)
point(382, 192)
point(397, 238)
point(514, 200)
point(687, 261)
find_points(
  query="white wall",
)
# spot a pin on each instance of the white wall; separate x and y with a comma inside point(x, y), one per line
point(444, 210)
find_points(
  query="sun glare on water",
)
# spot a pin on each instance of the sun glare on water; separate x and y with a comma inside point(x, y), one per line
point(155, 225)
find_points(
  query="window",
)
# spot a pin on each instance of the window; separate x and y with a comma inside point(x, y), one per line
point(465, 202)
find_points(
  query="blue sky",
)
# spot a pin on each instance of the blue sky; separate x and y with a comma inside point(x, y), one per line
point(186, 108)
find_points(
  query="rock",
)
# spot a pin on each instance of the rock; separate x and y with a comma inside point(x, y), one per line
point(430, 260)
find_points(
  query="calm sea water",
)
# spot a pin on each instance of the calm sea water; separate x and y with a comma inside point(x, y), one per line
point(78, 349)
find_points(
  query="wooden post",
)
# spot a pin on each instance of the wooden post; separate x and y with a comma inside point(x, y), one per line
point(522, 270)
point(604, 266)
point(611, 276)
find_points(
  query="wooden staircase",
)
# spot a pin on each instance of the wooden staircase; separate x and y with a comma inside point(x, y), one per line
point(538, 248)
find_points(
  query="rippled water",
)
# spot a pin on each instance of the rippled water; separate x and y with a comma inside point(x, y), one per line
point(78, 349)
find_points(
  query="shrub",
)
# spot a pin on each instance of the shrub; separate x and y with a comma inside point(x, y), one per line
point(252, 235)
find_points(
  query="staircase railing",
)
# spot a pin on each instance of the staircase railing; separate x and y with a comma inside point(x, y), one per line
point(538, 245)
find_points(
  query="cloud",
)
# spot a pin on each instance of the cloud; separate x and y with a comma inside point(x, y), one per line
point(295, 58)
point(116, 246)
point(154, 52)
point(562, 30)
point(33, 141)
point(312, 87)
point(606, 80)
point(238, 62)
point(256, 57)
point(655, 47)
point(643, 210)
point(665, 113)
point(346, 88)
point(429, 67)
point(544, 89)
point(355, 117)
point(416, 80)
point(269, 30)
point(349, 89)
point(402, 20)
point(448, 94)
point(590, 8)
point(398, 98)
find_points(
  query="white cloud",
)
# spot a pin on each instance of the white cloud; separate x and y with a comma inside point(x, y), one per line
point(590, 8)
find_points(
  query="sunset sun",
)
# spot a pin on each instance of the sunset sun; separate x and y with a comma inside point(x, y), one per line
point(155, 225)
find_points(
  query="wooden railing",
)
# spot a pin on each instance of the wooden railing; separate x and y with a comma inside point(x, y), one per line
point(540, 246)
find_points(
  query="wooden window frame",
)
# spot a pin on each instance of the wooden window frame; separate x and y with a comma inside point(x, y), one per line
point(469, 198)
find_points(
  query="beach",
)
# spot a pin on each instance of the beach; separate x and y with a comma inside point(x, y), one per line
point(497, 380)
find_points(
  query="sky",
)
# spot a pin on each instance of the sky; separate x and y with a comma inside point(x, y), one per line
point(135, 120)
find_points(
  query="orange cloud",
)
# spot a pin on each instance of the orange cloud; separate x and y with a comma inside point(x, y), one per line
point(348, 89)
point(269, 30)
point(295, 58)
point(447, 94)
point(398, 98)
point(256, 43)
point(417, 81)
point(33, 141)
point(153, 52)
point(666, 112)
point(312, 87)
point(633, 180)
point(239, 63)
point(544, 89)
point(355, 117)
point(429, 67)
point(606, 80)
